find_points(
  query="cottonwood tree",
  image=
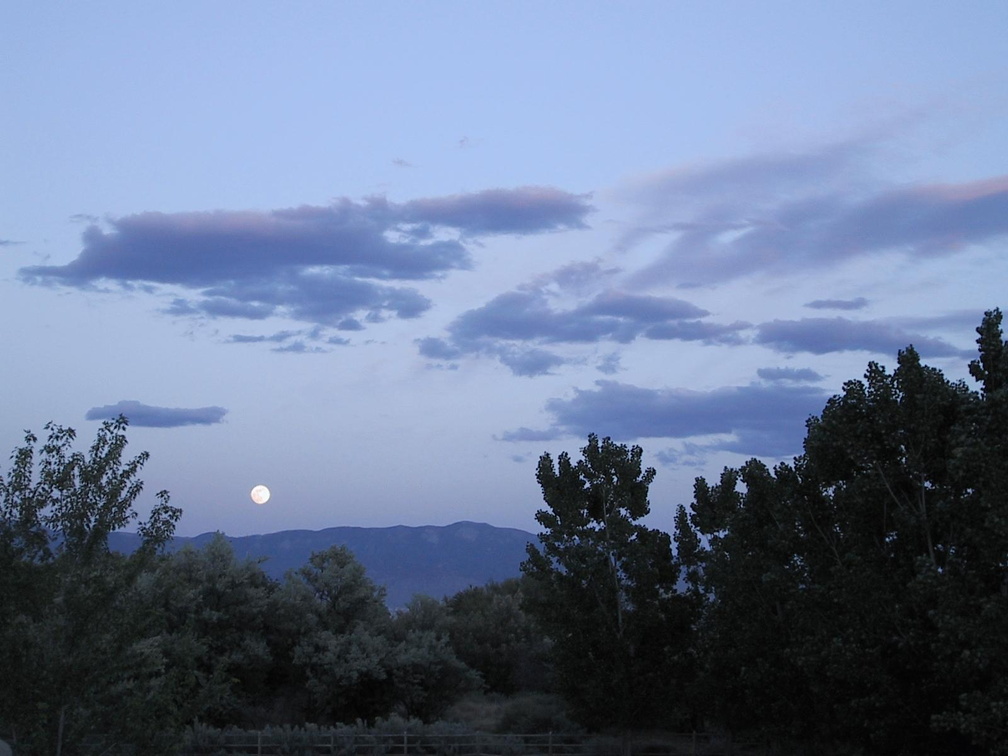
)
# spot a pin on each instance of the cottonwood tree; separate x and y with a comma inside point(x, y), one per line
point(65, 633)
point(603, 587)
point(343, 653)
point(858, 595)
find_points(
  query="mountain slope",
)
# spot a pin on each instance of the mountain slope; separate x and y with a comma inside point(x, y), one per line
point(433, 560)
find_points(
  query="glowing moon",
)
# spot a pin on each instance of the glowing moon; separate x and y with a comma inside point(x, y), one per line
point(260, 494)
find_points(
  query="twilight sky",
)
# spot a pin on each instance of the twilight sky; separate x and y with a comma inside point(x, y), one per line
point(381, 255)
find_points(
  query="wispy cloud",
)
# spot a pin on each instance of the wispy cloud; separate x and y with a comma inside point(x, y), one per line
point(777, 214)
point(337, 265)
point(145, 415)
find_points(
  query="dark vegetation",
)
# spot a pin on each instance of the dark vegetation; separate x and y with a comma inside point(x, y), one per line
point(435, 560)
point(852, 601)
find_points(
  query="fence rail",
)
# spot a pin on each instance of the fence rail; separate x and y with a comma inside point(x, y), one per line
point(320, 743)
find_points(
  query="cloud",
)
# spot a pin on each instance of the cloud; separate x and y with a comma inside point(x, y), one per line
point(528, 434)
point(276, 338)
point(609, 364)
point(336, 265)
point(530, 362)
point(526, 315)
point(689, 455)
point(838, 304)
point(777, 214)
point(761, 420)
point(792, 375)
point(530, 209)
point(824, 335)
point(298, 347)
point(515, 325)
point(438, 349)
point(144, 415)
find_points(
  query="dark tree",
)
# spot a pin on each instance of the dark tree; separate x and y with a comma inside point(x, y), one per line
point(603, 587)
point(860, 595)
point(67, 644)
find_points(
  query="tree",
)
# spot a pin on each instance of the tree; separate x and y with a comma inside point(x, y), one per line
point(343, 653)
point(65, 633)
point(210, 612)
point(860, 594)
point(427, 674)
point(603, 587)
point(493, 634)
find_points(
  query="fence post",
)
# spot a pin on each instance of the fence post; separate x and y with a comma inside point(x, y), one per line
point(549, 743)
point(259, 743)
point(405, 746)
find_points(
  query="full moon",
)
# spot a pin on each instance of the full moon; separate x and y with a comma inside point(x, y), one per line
point(260, 494)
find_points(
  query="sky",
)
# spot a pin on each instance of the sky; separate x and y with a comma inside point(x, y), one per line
point(381, 256)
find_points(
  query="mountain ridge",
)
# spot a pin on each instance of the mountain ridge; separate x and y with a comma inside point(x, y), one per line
point(433, 560)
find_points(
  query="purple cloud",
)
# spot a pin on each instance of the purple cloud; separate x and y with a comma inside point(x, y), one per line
point(791, 375)
point(763, 420)
point(778, 214)
point(512, 326)
point(328, 265)
point(825, 335)
point(530, 209)
point(838, 304)
point(144, 415)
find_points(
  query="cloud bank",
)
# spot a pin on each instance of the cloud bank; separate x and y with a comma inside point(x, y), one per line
point(334, 265)
point(147, 416)
point(757, 419)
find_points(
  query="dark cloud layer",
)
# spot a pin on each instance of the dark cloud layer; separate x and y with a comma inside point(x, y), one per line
point(765, 420)
point(838, 304)
point(792, 375)
point(144, 415)
point(824, 335)
point(329, 265)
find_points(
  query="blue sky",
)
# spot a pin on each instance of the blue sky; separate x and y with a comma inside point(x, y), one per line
point(381, 256)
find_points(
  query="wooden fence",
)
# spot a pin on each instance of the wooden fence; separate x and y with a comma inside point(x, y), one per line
point(286, 742)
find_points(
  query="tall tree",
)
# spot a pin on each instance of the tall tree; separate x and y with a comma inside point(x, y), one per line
point(64, 636)
point(603, 587)
point(858, 595)
point(344, 652)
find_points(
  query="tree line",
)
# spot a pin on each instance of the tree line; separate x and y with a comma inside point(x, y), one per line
point(102, 648)
point(854, 600)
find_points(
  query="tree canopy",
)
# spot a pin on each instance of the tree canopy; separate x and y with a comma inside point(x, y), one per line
point(603, 587)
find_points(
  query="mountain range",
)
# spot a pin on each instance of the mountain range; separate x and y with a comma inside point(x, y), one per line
point(435, 561)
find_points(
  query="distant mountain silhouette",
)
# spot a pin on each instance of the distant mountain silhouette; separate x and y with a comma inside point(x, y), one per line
point(432, 560)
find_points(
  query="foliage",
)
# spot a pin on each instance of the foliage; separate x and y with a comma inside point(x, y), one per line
point(858, 595)
point(66, 634)
point(603, 587)
point(492, 633)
